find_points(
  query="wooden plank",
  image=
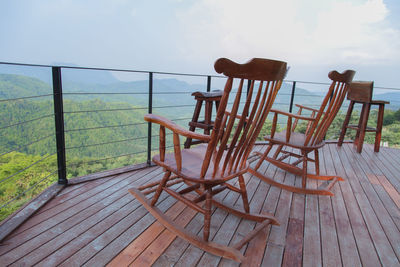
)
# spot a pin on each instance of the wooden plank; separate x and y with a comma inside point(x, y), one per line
point(73, 191)
point(380, 225)
point(233, 228)
point(373, 179)
point(150, 255)
point(387, 201)
point(103, 174)
point(278, 235)
point(257, 206)
point(53, 245)
point(346, 215)
point(312, 255)
point(20, 216)
point(329, 241)
point(88, 230)
point(51, 239)
point(73, 203)
point(393, 193)
point(80, 241)
point(387, 165)
point(45, 230)
point(293, 254)
point(65, 210)
point(366, 249)
point(255, 251)
point(131, 252)
point(256, 196)
point(294, 244)
point(192, 255)
point(105, 246)
point(378, 221)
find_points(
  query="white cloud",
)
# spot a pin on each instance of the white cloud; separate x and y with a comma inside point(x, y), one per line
point(328, 33)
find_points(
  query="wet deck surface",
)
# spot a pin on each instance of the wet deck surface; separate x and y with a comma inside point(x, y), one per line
point(99, 222)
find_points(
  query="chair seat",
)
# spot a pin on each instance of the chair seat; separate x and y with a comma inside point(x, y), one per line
point(296, 140)
point(192, 161)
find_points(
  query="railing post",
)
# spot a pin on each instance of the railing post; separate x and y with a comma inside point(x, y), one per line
point(208, 83)
point(149, 123)
point(59, 123)
point(248, 86)
point(292, 97)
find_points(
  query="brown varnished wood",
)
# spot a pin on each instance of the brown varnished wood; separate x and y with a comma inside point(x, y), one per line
point(256, 69)
point(310, 141)
point(209, 98)
point(211, 247)
point(335, 233)
point(360, 92)
point(207, 168)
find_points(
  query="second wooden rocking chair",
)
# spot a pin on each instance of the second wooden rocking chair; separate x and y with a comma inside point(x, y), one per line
point(206, 169)
point(302, 144)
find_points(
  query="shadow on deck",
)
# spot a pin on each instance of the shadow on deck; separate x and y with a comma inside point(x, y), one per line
point(98, 222)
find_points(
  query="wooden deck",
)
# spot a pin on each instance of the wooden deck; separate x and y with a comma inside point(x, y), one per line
point(99, 222)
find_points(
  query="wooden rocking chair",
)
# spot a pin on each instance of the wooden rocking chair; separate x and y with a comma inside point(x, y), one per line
point(206, 169)
point(310, 141)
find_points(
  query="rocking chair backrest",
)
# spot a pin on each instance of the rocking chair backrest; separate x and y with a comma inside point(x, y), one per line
point(330, 106)
point(235, 132)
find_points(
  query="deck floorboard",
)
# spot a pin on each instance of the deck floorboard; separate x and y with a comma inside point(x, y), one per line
point(97, 222)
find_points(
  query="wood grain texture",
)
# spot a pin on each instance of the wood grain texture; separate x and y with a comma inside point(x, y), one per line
point(359, 225)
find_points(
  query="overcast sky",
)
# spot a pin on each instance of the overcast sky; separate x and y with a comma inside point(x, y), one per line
point(313, 36)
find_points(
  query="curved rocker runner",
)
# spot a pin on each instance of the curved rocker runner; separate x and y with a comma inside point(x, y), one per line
point(220, 163)
point(303, 144)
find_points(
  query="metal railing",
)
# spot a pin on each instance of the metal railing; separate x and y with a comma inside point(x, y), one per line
point(60, 127)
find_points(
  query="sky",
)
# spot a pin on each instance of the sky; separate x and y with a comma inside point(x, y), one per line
point(312, 36)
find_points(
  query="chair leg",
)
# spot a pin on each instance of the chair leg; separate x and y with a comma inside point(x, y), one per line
point(207, 116)
point(345, 123)
point(316, 158)
point(278, 150)
point(363, 126)
point(263, 157)
point(244, 194)
point(379, 127)
point(207, 215)
point(304, 176)
point(160, 187)
point(359, 126)
point(195, 118)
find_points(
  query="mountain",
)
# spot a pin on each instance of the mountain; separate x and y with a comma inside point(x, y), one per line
point(392, 97)
point(14, 86)
point(68, 75)
point(82, 129)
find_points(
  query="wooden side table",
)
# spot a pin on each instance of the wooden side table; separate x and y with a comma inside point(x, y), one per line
point(209, 98)
point(361, 92)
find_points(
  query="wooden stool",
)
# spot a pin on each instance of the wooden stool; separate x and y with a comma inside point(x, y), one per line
point(207, 123)
point(361, 92)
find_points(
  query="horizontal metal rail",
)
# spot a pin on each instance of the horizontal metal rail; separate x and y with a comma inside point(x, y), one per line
point(23, 98)
point(31, 143)
point(107, 126)
point(27, 190)
point(102, 110)
point(106, 143)
point(24, 169)
point(19, 123)
point(113, 157)
point(111, 69)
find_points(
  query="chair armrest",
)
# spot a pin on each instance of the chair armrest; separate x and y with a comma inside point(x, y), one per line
point(300, 117)
point(305, 107)
point(175, 127)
